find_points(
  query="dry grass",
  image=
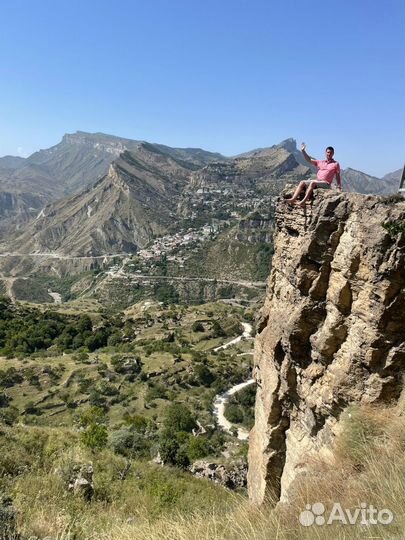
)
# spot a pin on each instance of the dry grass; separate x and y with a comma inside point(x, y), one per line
point(368, 466)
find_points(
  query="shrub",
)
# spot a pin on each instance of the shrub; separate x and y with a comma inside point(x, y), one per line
point(4, 400)
point(9, 415)
point(97, 400)
point(234, 413)
point(179, 418)
point(93, 415)
point(204, 375)
point(95, 437)
point(198, 447)
point(197, 327)
point(394, 228)
point(128, 442)
point(155, 391)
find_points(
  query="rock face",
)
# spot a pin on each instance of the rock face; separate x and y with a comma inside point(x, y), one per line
point(331, 331)
point(81, 481)
point(258, 169)
point(232, 478)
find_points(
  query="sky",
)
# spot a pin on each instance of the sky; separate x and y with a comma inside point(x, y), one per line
point(223, 75)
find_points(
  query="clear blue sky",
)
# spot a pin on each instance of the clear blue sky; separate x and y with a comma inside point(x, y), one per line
point(224, 75)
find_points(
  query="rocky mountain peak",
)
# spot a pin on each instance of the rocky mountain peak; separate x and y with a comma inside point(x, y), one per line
point(331, 330)
point(288, 144)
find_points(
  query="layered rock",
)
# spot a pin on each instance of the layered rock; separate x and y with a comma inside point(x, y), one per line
point(331, 331)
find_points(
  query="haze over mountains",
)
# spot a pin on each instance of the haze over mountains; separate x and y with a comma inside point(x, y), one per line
point(114, 194)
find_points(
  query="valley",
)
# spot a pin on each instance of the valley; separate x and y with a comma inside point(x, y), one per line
point(129, 299)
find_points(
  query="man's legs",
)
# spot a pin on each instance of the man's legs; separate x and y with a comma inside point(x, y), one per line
point(299, 189)
point(310, 190)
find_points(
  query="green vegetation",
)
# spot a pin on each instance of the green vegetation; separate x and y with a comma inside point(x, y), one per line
point(240, 260)
point(113, 390)
point(264, 255)
point(240, 407)
point(394, 228)
point(166, 294)
point(36, 288)
point(37, 465)
point(24, 331)
point(58, 364)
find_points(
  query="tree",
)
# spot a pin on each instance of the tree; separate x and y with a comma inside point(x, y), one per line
point(197, 327)
point(97, 400)
point(173, 451)
point(234, 413)
point(204, 375)
point(168, 448)
point(179, 418)
point(95, 436)
point(217, 330)
point(97, 339)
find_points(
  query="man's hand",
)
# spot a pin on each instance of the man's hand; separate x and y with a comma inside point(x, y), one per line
point(306, 156)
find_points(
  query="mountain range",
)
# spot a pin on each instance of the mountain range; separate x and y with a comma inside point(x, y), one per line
point(77, 162)
point(95, 194)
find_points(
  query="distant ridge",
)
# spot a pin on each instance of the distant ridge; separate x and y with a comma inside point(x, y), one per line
point(359, 182)
point(27, 185)
point(122, 212)
point(78, 161)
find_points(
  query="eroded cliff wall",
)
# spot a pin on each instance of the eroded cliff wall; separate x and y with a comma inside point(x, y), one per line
point(331, 332)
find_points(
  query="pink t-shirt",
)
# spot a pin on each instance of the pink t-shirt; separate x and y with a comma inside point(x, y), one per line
point(326, 169)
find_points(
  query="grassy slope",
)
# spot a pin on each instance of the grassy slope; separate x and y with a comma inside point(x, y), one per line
point(161, 503)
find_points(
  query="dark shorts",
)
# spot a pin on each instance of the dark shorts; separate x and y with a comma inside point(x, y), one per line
point(319, 184)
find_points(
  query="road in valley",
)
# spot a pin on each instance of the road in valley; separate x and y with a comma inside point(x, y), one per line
point(222, 399)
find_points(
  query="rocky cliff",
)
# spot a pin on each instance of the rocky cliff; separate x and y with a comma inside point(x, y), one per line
point(331, 332)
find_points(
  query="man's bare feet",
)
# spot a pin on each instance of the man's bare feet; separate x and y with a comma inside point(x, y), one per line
point(290, 201)
point(301, 204)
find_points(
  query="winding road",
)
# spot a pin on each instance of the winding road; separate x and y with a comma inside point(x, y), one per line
point(219, 409)
point(247, 334)
point(221, 399)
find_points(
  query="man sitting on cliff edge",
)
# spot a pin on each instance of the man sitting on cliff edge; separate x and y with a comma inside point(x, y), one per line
point(327, 170)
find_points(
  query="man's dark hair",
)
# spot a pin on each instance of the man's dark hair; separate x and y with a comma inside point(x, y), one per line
point(330, 148)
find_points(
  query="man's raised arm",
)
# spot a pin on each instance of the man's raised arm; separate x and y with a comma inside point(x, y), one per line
point(307, 156)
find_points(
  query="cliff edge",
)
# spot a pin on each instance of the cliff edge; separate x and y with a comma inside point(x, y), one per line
point(331, 332)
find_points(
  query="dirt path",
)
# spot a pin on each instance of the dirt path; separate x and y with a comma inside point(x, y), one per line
point(247, 334)
point(222, 399)
point(219, 409)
